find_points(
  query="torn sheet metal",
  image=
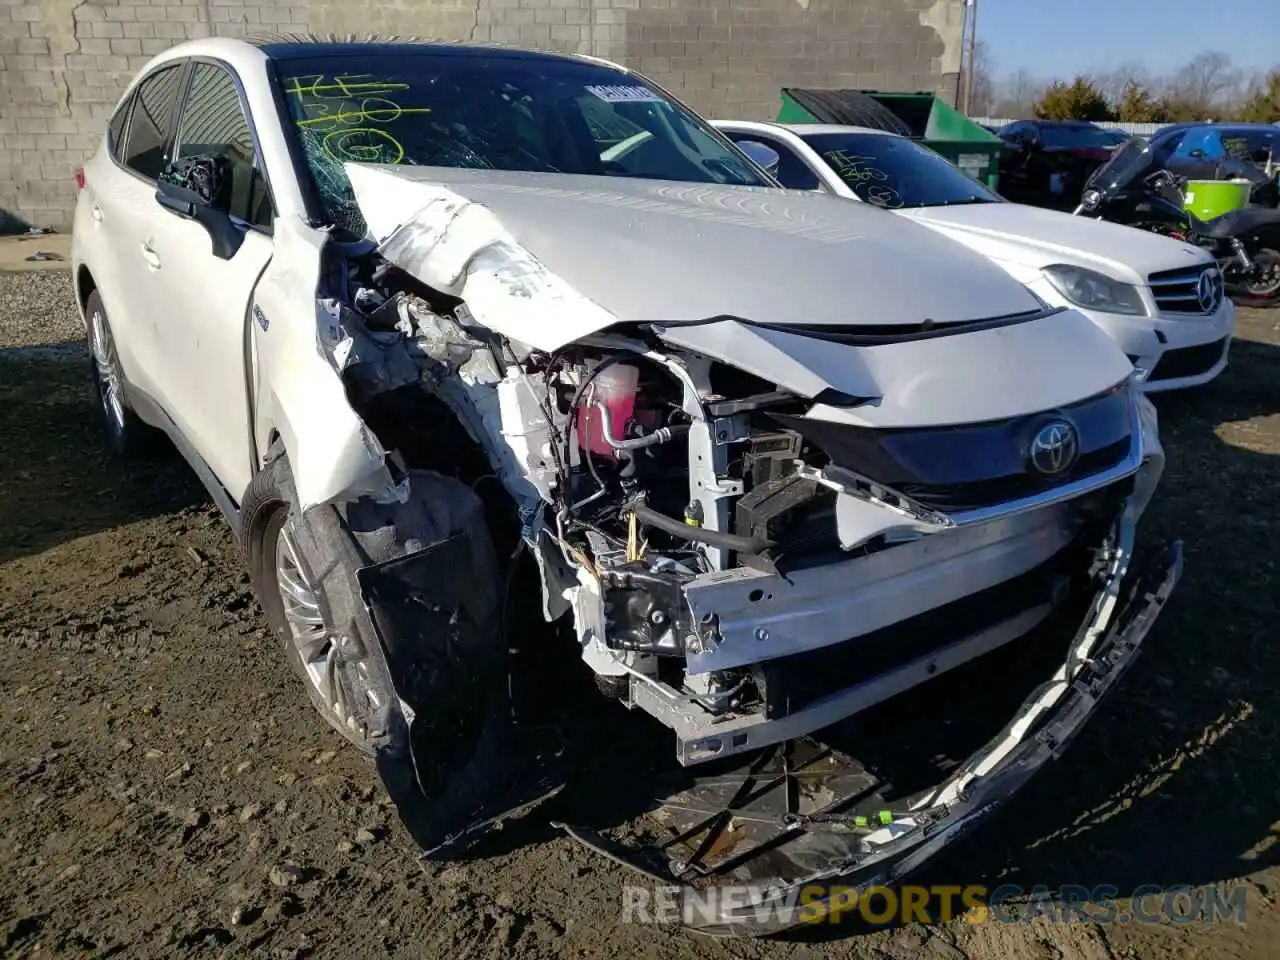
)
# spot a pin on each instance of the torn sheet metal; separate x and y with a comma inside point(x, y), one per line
point(549, 258)
point(461, 248)
point(299, 392)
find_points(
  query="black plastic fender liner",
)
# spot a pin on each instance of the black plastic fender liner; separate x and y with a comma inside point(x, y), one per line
point(437, 615)
point(444, 651)
point(414, 590)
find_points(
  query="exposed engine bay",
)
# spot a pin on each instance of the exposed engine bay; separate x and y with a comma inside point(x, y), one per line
point(756, 530)
point(670, 494)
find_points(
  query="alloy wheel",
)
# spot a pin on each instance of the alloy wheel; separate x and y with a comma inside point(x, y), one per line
point(106, 367)
point(339, 685)
point(1264, 281)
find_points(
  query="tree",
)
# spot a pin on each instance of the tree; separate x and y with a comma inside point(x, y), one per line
point(1179, 109)
point(1114, 83)
point(983, 86)
point(1137, 105)
point(1204, 83)
point(1264, 105)
point(1078, 100)
point(1017, 95)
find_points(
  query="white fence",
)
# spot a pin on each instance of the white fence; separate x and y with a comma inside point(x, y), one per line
point(1134, 129)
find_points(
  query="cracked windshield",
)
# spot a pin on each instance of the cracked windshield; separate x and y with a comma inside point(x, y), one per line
point(491, 113)
point(894, 173)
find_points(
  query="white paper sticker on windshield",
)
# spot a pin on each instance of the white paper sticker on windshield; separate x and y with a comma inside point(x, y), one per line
point(624, 93)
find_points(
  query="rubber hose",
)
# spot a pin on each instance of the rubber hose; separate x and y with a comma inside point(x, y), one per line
point(712, 538)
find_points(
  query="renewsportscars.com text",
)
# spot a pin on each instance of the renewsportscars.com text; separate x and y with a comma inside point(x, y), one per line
point(822, 903)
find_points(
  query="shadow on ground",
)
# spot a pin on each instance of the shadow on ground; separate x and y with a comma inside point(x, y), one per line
point(58, 480)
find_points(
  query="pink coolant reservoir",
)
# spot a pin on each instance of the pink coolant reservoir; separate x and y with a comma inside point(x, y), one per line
point(615, 387)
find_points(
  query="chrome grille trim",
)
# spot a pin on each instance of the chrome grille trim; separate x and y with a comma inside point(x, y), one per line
point(1177, 291)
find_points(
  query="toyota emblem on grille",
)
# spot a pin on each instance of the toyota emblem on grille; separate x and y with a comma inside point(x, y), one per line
point(1209, 290)
point(1054, 448)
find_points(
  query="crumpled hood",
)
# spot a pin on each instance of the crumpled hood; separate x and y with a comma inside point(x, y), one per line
point(549, 258)
point(974, 376)
point(1035, 237)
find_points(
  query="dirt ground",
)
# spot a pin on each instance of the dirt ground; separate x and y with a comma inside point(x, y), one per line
point(165, 789)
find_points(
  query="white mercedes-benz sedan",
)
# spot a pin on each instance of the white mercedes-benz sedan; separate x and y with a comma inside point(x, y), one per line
point(1160, 299)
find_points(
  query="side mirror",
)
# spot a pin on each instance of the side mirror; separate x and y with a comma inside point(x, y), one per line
point(762, 154)
point(199, 188)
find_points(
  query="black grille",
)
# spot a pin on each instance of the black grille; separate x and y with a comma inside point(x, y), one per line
point(1187, 361)
point(968, 496)
point(975, 465)
point(1177, 291)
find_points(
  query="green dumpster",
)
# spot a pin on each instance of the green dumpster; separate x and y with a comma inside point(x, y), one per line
point(920, 116)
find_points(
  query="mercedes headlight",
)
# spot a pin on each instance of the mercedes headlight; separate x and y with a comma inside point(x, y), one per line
point(1093, 291)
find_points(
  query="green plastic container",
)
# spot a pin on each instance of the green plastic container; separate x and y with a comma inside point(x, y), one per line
point(1208, 199)
point(920, 116)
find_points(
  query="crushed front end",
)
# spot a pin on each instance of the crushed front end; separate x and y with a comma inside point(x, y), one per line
point(833, 581)
point(768, 537)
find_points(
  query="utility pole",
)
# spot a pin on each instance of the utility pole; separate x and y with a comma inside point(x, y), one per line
point(971, 22)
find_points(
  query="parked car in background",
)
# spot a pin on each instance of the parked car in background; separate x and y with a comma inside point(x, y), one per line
point(1142, 289)
point(1250, 151)
point(492, 357)
point(1046, 162)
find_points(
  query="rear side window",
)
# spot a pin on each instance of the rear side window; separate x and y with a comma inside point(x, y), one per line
point(1201, 144)
point(1253, 145)
point(116, 129)
point(152, 120)
point(214, 124)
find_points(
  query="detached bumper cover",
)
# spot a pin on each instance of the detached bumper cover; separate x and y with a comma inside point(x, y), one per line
point(824, 849)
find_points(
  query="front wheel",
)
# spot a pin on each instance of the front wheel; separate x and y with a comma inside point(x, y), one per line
point(295, 579)
point(1261, 286)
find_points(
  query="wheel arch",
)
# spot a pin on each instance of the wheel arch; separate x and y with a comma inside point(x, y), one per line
point(84, 284)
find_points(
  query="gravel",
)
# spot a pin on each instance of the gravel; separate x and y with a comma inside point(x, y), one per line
point(37, 309)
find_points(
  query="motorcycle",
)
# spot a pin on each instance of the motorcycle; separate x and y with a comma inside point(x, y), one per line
point(1132, 189)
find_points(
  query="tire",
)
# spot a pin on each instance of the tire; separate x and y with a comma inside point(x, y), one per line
point(127, 436)
point(1262, 294)
point(340, 666)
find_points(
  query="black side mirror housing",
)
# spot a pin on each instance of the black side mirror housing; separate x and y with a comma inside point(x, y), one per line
point(199, 188)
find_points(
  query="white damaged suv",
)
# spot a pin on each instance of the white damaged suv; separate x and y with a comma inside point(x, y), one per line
point(484, 352)
point(1160, 299)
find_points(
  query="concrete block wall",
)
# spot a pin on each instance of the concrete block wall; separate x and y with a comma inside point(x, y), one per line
point(63, 63)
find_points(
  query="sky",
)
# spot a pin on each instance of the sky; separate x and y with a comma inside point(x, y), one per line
point(1060, 38)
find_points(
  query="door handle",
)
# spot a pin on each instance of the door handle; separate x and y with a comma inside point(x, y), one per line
point(96, 212)
point(152, 258)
